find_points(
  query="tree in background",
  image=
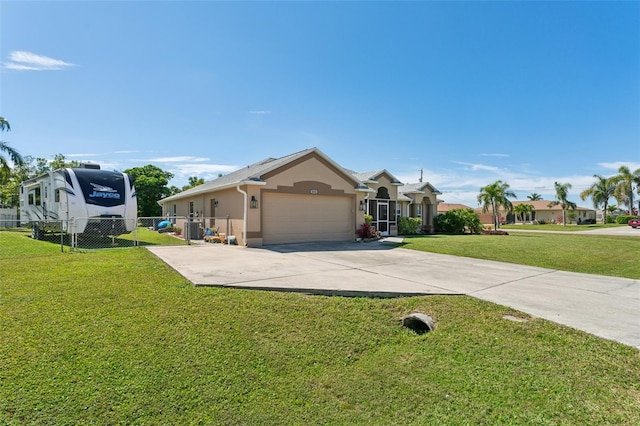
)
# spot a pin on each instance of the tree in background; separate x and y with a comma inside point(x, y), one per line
point(534, 196)
point(562, 194)
point(29, 168)
point(14, 156)
point(173, 190)
point(151, 186)
point(625, 181)
point(60, 162)
point(523, 210)
point(193, 182)
point(493, 197)
point(600, 192)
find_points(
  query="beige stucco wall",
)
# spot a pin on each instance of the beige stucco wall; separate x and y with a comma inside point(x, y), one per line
point(384, 181)
point(306, 176)
point(312, 169)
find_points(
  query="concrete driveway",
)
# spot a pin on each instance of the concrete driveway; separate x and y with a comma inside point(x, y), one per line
point(620, 231)
point(604, 306)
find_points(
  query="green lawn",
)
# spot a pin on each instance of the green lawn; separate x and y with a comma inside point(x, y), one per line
point(117, 337)
point(141, 237)
point(591, 254)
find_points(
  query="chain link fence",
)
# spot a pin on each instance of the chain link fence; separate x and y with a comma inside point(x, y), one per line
point(111, 232)
point(107, 232)
point(9, 220)
point(195, 229)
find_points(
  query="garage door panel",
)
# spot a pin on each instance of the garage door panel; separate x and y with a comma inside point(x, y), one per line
point(290, 218)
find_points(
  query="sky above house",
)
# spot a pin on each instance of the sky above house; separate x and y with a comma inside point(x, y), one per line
point(464, 93)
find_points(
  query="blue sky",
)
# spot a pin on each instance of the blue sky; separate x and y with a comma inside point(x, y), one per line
point(470, 92)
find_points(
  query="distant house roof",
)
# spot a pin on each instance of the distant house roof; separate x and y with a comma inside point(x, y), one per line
point(445, 207)
point(541, 205)
point(253, 175)
point(538, 205)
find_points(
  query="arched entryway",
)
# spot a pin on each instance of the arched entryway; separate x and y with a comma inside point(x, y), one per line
point(383, 211)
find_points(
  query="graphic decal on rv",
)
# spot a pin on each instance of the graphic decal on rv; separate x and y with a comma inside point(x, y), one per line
point(102, 191)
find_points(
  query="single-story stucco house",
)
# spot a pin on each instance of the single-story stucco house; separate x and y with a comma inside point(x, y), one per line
point(303, 197)
point(543, 210)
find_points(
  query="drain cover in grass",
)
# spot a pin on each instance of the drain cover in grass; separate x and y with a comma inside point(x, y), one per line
point(420, 323)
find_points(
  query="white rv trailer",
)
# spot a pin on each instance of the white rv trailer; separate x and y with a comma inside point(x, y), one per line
point(79, 200)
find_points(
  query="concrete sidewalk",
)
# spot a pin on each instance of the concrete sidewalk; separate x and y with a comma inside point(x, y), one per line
point(608, 307)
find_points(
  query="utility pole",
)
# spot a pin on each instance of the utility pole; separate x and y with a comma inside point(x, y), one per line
point(421, 171)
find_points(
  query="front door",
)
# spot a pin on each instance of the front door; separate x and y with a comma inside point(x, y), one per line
point(383, 217)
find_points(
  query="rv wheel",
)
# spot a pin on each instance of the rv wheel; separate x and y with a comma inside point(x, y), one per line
point(36, 232)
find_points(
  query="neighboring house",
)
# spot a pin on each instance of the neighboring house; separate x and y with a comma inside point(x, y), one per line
point(445, 207)
point(301, 197)
point(542, 211)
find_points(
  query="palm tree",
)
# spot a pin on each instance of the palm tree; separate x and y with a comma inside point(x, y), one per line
point(494, 196)
point(534, 196)
point(14, 155)
point(624, 182)
point(524, 210)
point(600, 192)
point(4, 124)
point(562, 192)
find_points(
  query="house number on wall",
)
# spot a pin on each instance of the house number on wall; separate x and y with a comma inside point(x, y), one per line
point(313, 191)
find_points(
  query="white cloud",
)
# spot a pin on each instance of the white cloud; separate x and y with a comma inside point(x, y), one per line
point(482, 167)
point(126, 152)
point(27, 61)
point(81, 155)
point(616, 165)
point(260, 112)
point(494, 155)
point(462, 182)
point(178, 159)
point(202, 169)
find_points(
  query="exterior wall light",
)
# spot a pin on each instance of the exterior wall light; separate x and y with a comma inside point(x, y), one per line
point(253, 203)
point(215, 202)
point(363, 206)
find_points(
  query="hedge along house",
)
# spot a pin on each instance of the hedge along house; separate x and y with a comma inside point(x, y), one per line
point(301, 197)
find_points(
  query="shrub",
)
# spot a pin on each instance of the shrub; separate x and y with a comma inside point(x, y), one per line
point(368, 231)
point(458, 221)
point(177, 230)
point(610, 219)
point(624, 218)
point(409, 225)
point(368, 219)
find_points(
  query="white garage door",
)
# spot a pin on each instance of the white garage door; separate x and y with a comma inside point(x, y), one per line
point(295, 218)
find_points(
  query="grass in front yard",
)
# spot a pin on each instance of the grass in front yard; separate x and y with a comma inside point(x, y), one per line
point(590, 254)
point(144, 237)
point(117, 337)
